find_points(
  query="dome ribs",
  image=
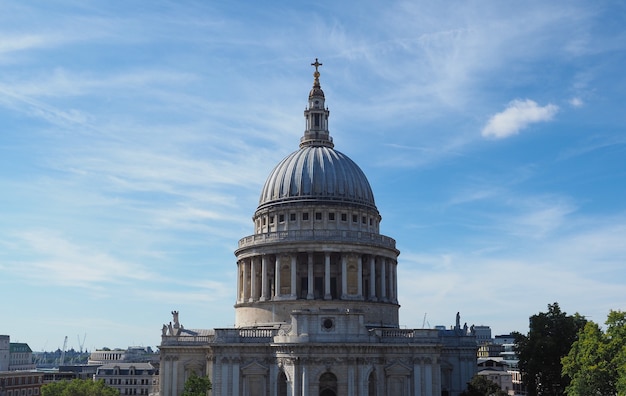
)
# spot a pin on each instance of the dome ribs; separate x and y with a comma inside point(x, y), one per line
point(317, 173)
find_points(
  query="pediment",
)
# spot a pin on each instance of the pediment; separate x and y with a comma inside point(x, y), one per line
point(398, 369)
point(254, 368)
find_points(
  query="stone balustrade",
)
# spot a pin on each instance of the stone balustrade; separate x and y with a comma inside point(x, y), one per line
point(341, 236)
point(252, 335)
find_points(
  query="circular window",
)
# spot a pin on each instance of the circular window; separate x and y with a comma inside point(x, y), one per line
point(328, 324)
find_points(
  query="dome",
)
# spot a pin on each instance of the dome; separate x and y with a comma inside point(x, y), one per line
point(317, 173)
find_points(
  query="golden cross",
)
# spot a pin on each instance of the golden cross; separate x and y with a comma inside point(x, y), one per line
point(316, 64)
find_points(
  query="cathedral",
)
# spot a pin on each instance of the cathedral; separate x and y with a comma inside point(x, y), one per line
point(316, 312)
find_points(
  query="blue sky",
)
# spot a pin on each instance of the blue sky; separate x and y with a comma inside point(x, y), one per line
point(135, 138)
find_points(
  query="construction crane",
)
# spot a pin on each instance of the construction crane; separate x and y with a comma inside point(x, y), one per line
point(62, 360)
point(81, 344)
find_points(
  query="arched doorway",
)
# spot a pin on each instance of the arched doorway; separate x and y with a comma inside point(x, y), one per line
point(328, 384)
point(282, 384)
point(371, 384)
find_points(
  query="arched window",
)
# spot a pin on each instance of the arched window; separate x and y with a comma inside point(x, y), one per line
point(282, 384)
point(371, 384)
point(328, 384)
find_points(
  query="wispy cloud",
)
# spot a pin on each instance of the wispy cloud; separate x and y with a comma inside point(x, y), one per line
point(576, 102)
point(15, 43)
point(518, 115)
point(507, 286)
point(55, 260)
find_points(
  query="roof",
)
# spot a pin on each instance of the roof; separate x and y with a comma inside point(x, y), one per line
point(126, 366)
point(317, 173)
point(16, 347)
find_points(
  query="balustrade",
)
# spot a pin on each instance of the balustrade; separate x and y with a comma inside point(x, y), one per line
point(318, 236)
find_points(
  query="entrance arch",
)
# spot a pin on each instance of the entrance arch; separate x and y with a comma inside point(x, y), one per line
point(328, 384)
point(282, 384)
point(371, 384)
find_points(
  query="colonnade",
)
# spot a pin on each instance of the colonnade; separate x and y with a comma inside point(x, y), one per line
point(317, 276)
point(301, 377)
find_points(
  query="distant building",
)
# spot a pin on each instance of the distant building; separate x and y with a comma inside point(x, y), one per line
point(21, 357)
point(20, 383)
point(15, 355)
point(490, 350)
point(498, 372)
point(56, 375)
point(507, 341)
point(498, 362)
point(79, 371)
point(4, 352)
point(483, 334)
point(129, 355)
point(129, 378)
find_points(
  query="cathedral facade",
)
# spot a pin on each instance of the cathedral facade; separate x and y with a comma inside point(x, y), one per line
point(317, 307)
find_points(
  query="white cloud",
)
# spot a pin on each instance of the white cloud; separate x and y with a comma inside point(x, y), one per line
point(21, 43)
point(517, 116)
point(576, 102)
point(59, 261)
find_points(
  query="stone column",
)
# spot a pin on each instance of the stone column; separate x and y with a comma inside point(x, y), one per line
point(394, 281)
point(272, 379)
point(238, 299)
point(175, 376)
point(351, 389)
point(245, 280)
point(296, 379)
point(359, 276)
point(253, 295)
point(417, 378)
point(327, 295)
point(277, 278)
point(372, 278)
point(235, 377)
point(263, 278)
point(344, 275)
point(428, 378)
point(294, 289)
point(310, 295)
point(166, 375)
point(383, 279)
point(225, 381)
point(305, 380)
point(437, 378)
point(389, 280)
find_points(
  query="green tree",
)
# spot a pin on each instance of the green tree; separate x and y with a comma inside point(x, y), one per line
point(483, 386)
point(550, 338)
point(78, 387)
point(196, 386)
point(596, 363)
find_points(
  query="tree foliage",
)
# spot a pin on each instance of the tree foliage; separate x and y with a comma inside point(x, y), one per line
point(196, 386)
point(78, 387)
point(596, 363)
point(483, 386)
point(550, 338)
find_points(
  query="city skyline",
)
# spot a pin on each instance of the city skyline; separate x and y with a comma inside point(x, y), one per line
point(136, 139)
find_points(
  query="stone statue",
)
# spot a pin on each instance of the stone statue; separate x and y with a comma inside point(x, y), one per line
point(175, 317)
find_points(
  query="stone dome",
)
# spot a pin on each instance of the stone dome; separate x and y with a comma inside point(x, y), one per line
point(317, 173)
